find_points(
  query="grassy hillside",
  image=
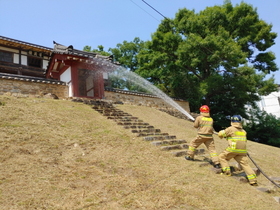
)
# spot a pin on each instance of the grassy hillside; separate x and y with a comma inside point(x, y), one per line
point(58, 154)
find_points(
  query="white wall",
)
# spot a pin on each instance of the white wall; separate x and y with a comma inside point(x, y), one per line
point(16, 58)
point(66, 77)
point(23, 60)
point(45, 64)
point(271, 103)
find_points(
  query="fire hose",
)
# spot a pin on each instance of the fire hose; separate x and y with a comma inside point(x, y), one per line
point(262, 171)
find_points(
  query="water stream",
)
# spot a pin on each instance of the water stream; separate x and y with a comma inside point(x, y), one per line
point(123, 73)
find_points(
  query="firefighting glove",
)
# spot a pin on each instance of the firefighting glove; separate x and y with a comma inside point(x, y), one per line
point(222, 134)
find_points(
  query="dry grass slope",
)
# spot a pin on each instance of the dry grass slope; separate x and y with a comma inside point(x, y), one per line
point(59, 154)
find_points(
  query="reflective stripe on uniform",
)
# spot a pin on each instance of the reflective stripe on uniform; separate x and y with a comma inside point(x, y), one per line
point(192, 148)
point(207, 119)
point(226, 169)
point(208, 122)
point(205, 125)
point(252, 176)
point(213, 154)
point(236, 150)
point(237, 138)
point(239, 133)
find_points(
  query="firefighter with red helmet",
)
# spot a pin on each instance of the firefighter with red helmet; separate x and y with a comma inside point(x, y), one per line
point(204, 125)
point(237, 139)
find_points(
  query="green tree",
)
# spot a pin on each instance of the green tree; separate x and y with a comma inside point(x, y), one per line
point(217, 57)
point(263, 127)
point(126, 53)
point(100, 50)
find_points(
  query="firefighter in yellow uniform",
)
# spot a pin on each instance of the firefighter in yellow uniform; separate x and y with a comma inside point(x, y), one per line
point(204, 125)
point(237, 139)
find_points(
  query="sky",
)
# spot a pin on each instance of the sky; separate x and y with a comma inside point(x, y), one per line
point(107, 22)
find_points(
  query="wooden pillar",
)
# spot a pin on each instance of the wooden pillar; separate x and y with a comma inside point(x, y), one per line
point(98, 85)
point(101, 85)
point(74, 79)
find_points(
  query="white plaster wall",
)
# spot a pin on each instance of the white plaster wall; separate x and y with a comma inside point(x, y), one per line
point(66, 77)
point(24, 60)
point(16, 58)
point(45, 64)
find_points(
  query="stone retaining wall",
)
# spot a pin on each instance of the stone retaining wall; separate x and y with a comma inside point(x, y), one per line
point(32, 87)
point(139, 99)
point(40, 87)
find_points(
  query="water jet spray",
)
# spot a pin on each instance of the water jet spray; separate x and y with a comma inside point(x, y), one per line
point(143, 83)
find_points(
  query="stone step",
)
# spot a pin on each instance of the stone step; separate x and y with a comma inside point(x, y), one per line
point(132, 123)
point(275, 179)
point(128, 120)
point(277, 199)
point(184, 152)
point(102, 106)
point(180, 153)
point(115, 111)
point(151, 134)
point(169, 142)
point(138, 126)
point(104, 109)
point(115, 114)
point(175, 147)
point(152, 130)
point(121, 117)
point(152, 138)
point(112, 112)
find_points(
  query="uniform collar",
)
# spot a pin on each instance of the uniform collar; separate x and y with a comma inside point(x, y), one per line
point(205, 114)
point(236, 124)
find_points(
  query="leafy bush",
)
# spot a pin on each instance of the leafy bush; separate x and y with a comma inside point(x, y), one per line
point(263, 127)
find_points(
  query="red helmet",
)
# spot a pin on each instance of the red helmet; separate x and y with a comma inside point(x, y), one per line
point(204, 109)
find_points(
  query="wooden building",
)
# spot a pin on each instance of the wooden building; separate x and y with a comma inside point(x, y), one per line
point(85, 73)
point(23, 58)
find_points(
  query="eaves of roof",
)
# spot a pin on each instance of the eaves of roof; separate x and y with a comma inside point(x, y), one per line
point(30, 79)
point(77, 53)
point(29, 46)
point(62, 49)
point(18, 43)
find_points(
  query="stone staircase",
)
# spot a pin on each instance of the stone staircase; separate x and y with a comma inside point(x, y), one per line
point(165, 141)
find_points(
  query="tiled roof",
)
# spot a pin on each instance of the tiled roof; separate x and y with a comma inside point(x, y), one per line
point(61, 49)
point(58, 48)
point(6, 39)
point(30, 79)
point(130, 92)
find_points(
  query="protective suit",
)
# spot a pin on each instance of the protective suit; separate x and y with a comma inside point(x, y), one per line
point(237, 140)
point(204, 125)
